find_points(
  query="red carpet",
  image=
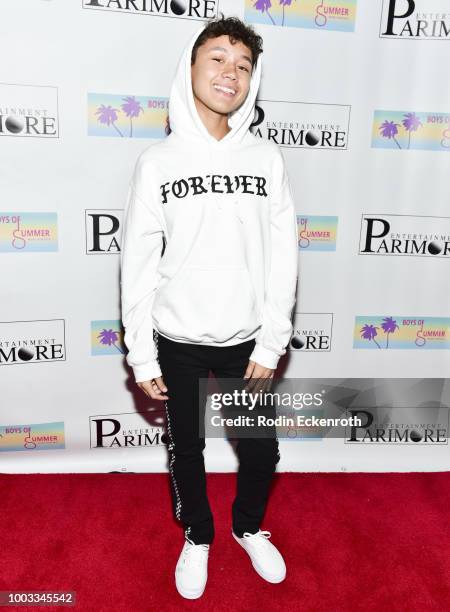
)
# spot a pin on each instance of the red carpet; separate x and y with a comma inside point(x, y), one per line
point(351, 542)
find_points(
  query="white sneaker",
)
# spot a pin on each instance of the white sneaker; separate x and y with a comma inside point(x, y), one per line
point(191, 572)
point(265, 557)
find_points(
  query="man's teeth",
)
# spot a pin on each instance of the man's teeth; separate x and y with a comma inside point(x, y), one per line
point(226, 89)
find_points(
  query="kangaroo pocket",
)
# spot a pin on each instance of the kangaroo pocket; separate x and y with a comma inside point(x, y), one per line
point(202, 304)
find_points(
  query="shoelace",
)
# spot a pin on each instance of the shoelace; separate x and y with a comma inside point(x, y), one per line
point(195, 551)
point(259, 538)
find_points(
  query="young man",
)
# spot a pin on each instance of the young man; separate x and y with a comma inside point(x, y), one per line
point(208, 277)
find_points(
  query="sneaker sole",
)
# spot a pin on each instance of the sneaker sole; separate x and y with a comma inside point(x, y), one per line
point(269, 577)
point(189, 594)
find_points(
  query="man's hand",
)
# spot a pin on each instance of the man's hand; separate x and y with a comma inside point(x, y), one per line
point(154, 388)
point(260, 377)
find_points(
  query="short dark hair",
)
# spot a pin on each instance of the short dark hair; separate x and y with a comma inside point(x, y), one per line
point(236, 29)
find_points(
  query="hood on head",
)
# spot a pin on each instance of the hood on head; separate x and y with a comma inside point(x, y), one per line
point(184, 119)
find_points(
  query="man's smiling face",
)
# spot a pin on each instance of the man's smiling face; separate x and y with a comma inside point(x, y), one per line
point(221, 75)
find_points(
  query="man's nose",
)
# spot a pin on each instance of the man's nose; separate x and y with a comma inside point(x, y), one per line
point(230, 72)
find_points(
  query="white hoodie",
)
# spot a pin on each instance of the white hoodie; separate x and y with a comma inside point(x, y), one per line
point(209, 239)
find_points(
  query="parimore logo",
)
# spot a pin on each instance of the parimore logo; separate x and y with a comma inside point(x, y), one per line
point(28, 111)
point(302, 125)
point(415, 20)
point(190, 9)
point(127, 430)
point(405, 235)
point(312, 332)
point(32, 342)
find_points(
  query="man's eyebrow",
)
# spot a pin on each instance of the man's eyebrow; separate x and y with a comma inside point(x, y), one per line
point(223, 49)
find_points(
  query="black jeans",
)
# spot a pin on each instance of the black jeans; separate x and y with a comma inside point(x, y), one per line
point(182, 365)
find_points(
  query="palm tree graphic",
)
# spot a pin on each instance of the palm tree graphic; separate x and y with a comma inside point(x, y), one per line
point(411, 123)
point(264, 6)
point(132, 108)
point(109, 337)
point(108, 115)
point(389, 326)
point(368, 332)
point(389, 129)
point(284, 3)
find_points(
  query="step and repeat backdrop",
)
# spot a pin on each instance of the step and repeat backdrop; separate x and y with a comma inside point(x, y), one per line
point(356, 94)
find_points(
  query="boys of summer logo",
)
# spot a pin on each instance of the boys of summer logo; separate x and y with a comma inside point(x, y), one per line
point(127, 116)
point(192, 9)
point(397, 332)
point(312, 331)
point(405, 235)
point(107, 338)
point(410, 130)
point(35, 436)
point(28, 110)
point(28, 231)
point(326, 15)
point(127, 430)
point(302, 124)
point(317, 233)
point(415, 19)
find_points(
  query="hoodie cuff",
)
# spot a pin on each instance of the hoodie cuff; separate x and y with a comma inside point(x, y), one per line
point(147, 371)
point(265, 357)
